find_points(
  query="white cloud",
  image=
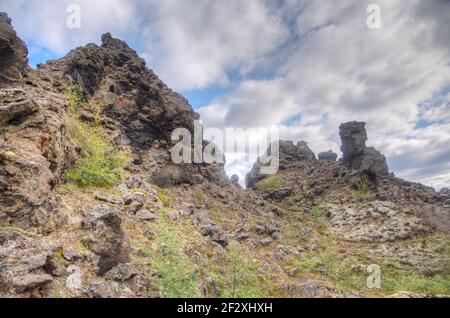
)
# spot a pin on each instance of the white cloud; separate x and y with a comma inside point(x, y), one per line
point(195, 43)
point(306, 66)
point(339, 70)
point(44, 24)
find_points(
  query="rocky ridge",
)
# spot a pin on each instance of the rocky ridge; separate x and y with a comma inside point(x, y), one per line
point(284, 236)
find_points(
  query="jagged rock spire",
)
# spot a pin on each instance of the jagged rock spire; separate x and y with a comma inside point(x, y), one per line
point(359, 157)
point(13, 53)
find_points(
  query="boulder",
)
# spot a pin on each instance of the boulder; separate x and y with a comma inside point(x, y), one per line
point(109, 240)
point(121, 272)
point(23, 262)
point(110, 289)
point(74, 281)
point(235, 179)
point(328, 156)
point(209, 229)
point(172, 175)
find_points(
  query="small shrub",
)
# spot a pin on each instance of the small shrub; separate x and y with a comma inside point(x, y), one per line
point(101, 164)
point(241, 280)
point(74, 94)
point(176, 277)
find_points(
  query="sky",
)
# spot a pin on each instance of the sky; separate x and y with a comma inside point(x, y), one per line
point(301, 66)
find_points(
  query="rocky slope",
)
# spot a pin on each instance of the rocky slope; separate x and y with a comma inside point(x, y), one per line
point(91, 204)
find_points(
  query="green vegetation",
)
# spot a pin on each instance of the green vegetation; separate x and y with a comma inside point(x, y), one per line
point(82, 248)
point(241, 279)
point(269, 183)
point(60, 254)
point(362, 192)
point(176, 276)
point(101, 164)
point(317, 211)
point(165, 199)
point(74, 94)
point(198, 195)
point(67, 188)
point(351, 274)
point(394, 279)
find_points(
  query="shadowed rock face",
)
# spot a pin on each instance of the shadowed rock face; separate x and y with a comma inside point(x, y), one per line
point(35, 150)
point(359, 157)
point(353, 136)
point(328, 155)
point(13, 53)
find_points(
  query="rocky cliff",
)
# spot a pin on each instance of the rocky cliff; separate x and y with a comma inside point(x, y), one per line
point(91, 204)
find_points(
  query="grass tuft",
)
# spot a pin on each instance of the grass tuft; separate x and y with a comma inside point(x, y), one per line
point(363, 191)
point(241, 279)
point(269, 183)
point(175, 275)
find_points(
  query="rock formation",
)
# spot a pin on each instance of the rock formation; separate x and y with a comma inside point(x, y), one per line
point(359, 157)
point(13, 53)
point(158, 223)
point(290, 156)
point(328, 155)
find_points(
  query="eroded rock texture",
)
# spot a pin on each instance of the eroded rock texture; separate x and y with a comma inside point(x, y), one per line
point(13, 54)
point(59, 240)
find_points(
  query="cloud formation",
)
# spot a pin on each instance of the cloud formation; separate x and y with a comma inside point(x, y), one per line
point(340, 70)
point(305, 66)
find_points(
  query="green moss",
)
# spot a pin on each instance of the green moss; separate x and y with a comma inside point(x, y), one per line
point(198, 197)
point(55, 293)
point(269, 183)
point(60, 254)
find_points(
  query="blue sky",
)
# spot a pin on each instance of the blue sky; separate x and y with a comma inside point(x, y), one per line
point(303, 66)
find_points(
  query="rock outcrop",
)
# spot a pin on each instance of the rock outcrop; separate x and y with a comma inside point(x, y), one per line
point(135, 103)
point(328, 155)
point(24, 264)
point(35, 150)
point(359, 157)
point(162, 223)
point(108, 239)
point(290, 156)
point(13, 54)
